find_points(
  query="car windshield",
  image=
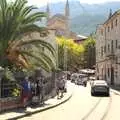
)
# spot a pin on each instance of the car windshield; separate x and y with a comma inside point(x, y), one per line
point(99, 82)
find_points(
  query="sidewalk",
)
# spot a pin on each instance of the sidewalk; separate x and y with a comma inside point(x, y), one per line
point(51, 103)
point(115, 89)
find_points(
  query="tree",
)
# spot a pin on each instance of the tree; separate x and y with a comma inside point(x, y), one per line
point(74, 52)
point(18, 20)
point(89, 53)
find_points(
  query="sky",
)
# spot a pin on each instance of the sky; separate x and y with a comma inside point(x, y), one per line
point(40, 3)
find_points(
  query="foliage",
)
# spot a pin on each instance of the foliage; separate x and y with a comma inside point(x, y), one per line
point(70, 45)
point(89, 42)
point(9, 74)
point(17, 20)
point(74, 51)
point(89, 53)
point(16, 92)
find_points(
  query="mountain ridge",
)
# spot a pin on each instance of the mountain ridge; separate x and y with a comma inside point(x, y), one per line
point(84, 17)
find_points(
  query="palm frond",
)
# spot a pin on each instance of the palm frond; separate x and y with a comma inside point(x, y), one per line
point(32, 18)
point(16, 20)
point(47, 59)
point(26, 11)
point(39, 59)
point(47, 69)
point(41, 42)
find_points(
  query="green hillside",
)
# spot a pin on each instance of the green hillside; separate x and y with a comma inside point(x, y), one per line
point(86, 24)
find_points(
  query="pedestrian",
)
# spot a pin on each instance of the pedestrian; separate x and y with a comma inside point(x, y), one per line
point(30, 89)
point(60, 87)
point(41, 87)
point(25, 92)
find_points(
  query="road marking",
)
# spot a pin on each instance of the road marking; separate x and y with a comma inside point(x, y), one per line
point(107, 109)
point(91, 111)
point(96, 108)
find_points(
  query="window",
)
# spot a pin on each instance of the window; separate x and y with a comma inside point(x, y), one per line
point(104, 49)
point(101, 51)
point(116, 59)
point(116, 43)
point(101, 32)
point(112, 25)
point(108, 29)
point(116, 22)
point(112, 46)
point(108, 47)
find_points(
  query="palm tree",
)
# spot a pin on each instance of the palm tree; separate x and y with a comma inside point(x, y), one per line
point(16, 21)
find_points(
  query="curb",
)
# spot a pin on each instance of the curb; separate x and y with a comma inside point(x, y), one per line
point(41, 110)
point(115, 91)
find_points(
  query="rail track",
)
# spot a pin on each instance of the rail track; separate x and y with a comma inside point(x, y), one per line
point(96, 106)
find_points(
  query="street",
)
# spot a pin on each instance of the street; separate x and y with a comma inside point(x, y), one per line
point(83, 106)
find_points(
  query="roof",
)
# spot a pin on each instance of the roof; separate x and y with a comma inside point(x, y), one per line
point(59, 16)
point(116, 13)
point(82, 37)
point(56, 17)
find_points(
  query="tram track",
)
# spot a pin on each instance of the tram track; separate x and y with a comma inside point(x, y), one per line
point(96, 106)
point(107, 109)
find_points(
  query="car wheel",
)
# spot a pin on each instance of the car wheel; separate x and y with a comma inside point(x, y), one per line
point(92, 94)
point(85, 85)
point(108, 94)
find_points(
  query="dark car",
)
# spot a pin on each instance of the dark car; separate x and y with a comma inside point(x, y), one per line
point(100, 86)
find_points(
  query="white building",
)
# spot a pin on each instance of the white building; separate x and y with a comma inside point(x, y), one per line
point(108, 49)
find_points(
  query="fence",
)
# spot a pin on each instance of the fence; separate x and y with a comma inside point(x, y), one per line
point(10, 91)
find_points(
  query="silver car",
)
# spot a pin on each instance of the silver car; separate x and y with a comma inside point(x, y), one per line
point(100, 86)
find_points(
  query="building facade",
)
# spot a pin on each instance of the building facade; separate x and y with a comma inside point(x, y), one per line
point(108, 49)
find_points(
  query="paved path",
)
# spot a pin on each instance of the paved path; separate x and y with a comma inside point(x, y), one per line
point(83, 106)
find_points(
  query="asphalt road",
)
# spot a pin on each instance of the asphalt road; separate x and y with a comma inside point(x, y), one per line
point(83, 106)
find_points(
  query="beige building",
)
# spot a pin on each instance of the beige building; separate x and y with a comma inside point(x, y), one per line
point(108, 49)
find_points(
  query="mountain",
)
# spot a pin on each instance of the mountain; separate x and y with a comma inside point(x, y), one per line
point(84, 17)
point(86, 24)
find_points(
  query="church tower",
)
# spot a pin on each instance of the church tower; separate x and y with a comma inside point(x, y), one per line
point(48, 11)
point(67, 11)
point(67, 15)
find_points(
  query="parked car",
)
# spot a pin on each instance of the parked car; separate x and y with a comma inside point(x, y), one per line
point(91, 79)
point(100, 86)
point(74, 77)
point(81, 80)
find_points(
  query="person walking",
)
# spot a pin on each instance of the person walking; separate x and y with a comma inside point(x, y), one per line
point(60, 88)
point(25, 93)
